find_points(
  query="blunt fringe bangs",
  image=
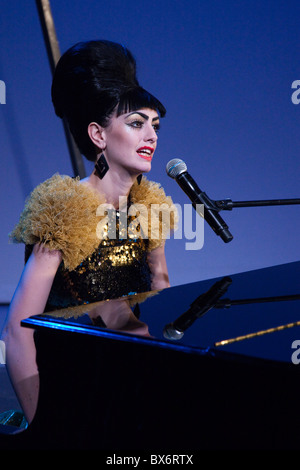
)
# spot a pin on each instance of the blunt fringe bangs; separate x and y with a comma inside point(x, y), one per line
point(137, 98)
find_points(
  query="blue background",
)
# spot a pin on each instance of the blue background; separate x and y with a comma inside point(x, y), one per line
point(224, 71)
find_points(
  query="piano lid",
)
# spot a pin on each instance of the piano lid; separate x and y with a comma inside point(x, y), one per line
point(256, 313)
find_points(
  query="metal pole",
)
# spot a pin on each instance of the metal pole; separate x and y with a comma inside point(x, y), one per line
point(52, 47)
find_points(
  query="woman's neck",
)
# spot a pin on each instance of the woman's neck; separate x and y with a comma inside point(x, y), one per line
point(112, 186)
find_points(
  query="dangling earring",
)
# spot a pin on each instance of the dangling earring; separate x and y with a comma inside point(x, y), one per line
point(101, 166)
point(139, 179)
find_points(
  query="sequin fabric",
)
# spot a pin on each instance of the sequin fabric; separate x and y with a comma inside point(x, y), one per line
point(116, 268)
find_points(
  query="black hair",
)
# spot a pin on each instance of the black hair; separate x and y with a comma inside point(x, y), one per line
point(91, 80)
point(137, 98)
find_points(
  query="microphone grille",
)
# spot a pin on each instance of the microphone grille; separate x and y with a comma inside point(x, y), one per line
point(175, 167)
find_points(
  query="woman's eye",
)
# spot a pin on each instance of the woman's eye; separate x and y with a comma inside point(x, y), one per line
point(136, 123)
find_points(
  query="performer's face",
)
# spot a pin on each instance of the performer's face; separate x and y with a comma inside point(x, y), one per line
point(131, 140)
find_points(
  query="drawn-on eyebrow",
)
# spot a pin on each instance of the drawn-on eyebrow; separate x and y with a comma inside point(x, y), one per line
point(143, 115)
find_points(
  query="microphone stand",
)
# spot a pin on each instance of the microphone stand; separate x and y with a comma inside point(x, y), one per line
point(228, 204)
point(212, 208)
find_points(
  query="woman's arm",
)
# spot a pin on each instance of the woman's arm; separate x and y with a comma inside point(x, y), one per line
point(158, 267)
point(29, 299)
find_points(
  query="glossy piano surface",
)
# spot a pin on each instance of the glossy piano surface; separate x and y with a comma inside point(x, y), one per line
point(112, 378)
point(256, 313)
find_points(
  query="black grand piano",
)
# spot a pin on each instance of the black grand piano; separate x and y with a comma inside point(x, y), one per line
point(209, 365)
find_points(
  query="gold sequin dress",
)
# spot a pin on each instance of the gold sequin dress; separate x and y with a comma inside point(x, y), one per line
point(63, 213)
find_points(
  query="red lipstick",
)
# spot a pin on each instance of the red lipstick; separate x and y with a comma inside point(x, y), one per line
point(146, 153)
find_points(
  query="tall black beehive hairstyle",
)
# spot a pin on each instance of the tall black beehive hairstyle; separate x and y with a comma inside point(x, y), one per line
point(91, 79)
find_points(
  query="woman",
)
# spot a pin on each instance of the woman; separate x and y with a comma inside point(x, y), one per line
point(68, 260)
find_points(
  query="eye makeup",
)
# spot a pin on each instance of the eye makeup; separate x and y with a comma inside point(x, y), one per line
point(138, 123)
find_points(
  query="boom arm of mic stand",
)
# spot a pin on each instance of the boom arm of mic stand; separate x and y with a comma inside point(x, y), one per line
point(228, 204)
point(227, 303)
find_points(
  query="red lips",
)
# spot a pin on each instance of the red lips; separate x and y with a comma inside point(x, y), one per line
point(146, 152)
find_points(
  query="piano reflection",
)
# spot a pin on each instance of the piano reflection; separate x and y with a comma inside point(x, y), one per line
point(207, 365)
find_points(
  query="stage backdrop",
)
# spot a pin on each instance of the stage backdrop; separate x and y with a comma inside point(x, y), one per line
point(225, 71)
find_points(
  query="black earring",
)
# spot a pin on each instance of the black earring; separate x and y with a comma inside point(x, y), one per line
point(101, 166)
point(139, 179)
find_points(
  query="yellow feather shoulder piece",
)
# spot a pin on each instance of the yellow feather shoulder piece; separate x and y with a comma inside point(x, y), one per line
point(61, 213)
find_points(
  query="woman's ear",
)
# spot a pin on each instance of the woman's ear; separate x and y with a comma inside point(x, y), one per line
point(95, 132)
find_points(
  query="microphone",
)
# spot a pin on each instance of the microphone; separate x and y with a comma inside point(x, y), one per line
point(177, 170)
point(198, 308)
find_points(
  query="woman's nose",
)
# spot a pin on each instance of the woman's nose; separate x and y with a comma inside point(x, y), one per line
point(151, 134)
